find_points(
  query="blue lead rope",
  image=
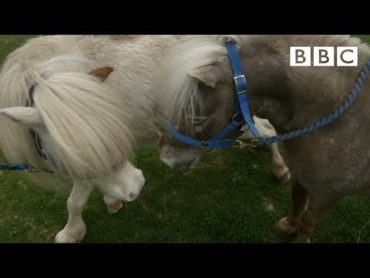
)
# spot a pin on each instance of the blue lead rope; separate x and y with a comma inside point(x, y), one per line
point(355, 92)
point(241, 89)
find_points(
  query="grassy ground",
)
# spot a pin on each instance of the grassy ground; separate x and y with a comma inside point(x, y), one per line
point(231, 196)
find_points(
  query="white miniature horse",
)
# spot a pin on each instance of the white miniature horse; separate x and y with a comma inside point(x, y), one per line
point(94, 96)
point(83, 121)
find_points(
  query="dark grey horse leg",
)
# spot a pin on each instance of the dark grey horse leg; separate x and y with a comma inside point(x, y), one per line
point(318, 208)
point(288, 225)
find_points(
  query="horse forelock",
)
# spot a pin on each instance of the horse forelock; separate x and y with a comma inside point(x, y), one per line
point(86, 122)
point(179, 91)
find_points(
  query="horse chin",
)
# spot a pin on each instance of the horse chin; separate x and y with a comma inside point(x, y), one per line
point(194, 163)
point(179, 163)
point(188, 165)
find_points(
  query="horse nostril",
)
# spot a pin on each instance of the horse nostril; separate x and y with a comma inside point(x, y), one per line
point(133, 195)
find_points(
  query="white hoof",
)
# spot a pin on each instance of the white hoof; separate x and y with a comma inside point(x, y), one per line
point(115, 207)
point(66, 236)
point(301, 239)
point(281, 172)
point(284, 226)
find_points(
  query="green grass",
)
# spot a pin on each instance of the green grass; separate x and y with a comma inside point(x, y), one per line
point(230, 197)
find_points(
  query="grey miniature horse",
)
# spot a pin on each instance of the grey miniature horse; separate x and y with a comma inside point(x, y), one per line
point(327, 164)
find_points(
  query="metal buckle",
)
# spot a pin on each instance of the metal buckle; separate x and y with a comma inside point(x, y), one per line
point(203, 144)
point(236, 82)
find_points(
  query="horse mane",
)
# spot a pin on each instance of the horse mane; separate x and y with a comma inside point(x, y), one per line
point(179, 91)
point(85, 116)
point(86, 120)
point(17, 75)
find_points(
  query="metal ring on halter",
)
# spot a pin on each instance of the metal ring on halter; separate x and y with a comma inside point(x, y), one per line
point(203, 144)
point(237, 117)
point(230, 39)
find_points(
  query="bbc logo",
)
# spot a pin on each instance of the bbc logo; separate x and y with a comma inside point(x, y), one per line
point(340, 56)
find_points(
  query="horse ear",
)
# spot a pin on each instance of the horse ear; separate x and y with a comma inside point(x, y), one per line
point(205, 74)
point(25, 115)
point(102, 73)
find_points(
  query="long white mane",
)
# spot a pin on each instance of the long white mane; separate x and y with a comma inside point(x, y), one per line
point(107, 116)
point(86, 117)
point(179, 91)
point(17, 74)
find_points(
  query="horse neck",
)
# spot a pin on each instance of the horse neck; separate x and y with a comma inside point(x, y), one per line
point(143, 56)
point(267, 88)
point(292, 97)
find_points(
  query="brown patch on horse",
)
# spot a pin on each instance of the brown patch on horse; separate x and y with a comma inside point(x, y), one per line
point(102, 73)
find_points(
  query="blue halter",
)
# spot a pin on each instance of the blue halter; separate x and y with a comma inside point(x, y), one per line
point(242, 107)
point(213, 143)
point(35, 136)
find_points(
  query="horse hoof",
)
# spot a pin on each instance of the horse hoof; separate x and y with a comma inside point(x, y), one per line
point(284, 178)
point(282, 174)
point(115, 207)
point(284, 226)
point(64, 236)
point(301, 239)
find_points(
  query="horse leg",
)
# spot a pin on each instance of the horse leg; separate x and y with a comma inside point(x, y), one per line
point(318, 208)
point(279, 168)
point(288, 225)
point(75, 229)
point(113, 205)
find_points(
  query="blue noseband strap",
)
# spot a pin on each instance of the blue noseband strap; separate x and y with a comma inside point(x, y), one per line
point(213, 143)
